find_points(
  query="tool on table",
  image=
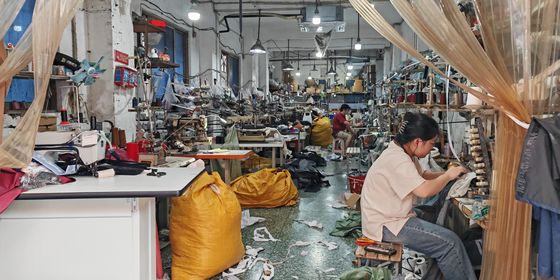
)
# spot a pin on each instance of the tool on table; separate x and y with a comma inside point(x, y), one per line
point(381, 248)
point(155, 173)
point(364, 241)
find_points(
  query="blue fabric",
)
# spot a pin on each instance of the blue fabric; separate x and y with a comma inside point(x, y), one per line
point(437, 242)
point(20, 90)
point(549, 242)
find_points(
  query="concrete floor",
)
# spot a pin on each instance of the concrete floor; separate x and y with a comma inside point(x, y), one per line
point(280, 223)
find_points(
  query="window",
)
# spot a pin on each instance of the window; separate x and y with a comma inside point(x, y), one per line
point(229, 66)
point(20, 90)
point(173, 42)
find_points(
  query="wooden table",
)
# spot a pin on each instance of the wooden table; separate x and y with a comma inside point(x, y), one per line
point(227, 156)
point(273, 145)
point(94, 228)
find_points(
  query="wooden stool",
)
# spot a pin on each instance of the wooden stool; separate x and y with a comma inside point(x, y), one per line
point(361, 253)
point(340, 148)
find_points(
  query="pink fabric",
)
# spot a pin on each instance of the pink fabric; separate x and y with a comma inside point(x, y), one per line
point(10, 180)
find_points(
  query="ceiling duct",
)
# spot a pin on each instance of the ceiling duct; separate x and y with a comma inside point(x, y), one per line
point(332, 18)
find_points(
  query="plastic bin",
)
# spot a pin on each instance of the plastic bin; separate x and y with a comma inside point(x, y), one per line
point(355, 183)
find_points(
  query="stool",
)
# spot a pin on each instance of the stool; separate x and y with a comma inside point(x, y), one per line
point(361, 253)
point(352, 152)
point(340, 148)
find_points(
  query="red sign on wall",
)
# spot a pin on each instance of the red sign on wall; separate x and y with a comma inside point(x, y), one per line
point(121, 57)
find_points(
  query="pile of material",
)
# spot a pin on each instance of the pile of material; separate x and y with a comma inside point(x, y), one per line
point(305, 173)
point(267, 188)
point(205, 230)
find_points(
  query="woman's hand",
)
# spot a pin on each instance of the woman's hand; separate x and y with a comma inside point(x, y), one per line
point(455, 171)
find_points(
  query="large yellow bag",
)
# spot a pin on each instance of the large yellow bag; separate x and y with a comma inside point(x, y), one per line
point(205, 229)
point(321, 132)
point(267, 188)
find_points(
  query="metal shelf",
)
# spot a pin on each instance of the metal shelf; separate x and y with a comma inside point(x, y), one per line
point(31, 75)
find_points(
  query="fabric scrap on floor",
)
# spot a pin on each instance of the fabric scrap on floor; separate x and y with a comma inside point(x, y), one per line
point(262, 237)
point(338, 205)
point(350, 226)
point(268, 271)
point(330, 245)
point(367, 273)
point(247, 220)
point(246, 263)
point(311, 224)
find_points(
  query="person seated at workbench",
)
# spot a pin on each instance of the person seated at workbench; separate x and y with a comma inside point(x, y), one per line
point(341, 126)
point(392, 184)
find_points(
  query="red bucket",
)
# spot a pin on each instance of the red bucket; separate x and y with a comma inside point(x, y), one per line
point(355, 183)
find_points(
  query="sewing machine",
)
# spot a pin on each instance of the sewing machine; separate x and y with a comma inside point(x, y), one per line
point(251, 134)
point(88, 144)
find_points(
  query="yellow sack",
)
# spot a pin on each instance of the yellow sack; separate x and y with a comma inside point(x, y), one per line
point(255, 161)
point(205, 230)
point(267, 188)
point(321, 132)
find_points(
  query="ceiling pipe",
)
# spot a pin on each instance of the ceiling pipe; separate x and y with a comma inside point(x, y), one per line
point(356, 59)
point(285, 16)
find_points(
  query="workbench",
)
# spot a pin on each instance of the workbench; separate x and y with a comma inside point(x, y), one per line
point(90, 229)
point(227, 156)
point(466, 209)
point(274, 145)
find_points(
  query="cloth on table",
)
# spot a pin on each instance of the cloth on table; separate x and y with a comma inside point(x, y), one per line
point(349, 226)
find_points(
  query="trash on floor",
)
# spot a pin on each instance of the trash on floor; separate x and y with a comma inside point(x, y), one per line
point(268, 271)
point(339, 205)
point(330, 245)
point(247, 220)
point(311, 224)
point(261, 237)
point(246, 263)
point(352, 200)
point(350, 225)
point(322, 274)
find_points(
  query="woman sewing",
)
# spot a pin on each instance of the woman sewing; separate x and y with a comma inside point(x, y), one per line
point(392, 184)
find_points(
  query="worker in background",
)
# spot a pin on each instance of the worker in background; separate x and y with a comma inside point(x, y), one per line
point(342, 128)
point(392, 184)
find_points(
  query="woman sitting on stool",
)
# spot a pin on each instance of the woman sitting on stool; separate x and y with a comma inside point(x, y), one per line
point(392, 184)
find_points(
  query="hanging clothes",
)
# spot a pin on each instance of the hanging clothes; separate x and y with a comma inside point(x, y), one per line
point(538, 183)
